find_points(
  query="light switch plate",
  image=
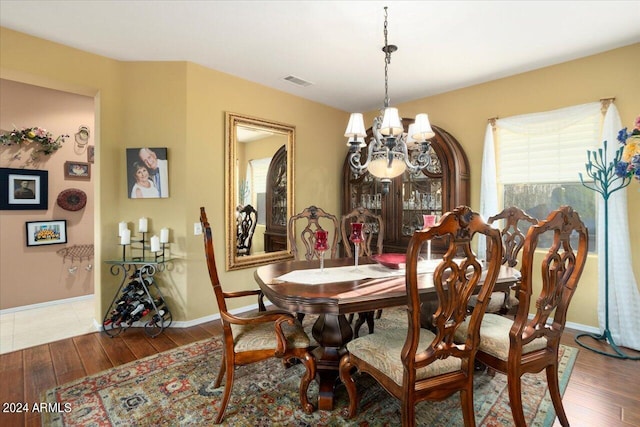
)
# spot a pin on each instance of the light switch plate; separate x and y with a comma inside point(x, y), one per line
point(197, 228)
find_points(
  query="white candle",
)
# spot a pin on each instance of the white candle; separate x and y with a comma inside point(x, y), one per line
point(155, 244)
point(121, 227)
point(164, 235)
point(142, 225)
point(125, 237)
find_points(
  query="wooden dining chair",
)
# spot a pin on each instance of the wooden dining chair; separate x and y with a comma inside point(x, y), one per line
point(513, 235)
point(254, 338)
point(519, 346)
point(311, 217)
point(373, 226)
point(246, 222)
point(415, 364)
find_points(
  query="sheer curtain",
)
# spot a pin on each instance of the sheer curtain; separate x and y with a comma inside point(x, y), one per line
point(624, 297)
point(488, 185)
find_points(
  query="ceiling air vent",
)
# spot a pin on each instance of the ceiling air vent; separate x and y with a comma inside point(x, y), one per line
point(298, 81)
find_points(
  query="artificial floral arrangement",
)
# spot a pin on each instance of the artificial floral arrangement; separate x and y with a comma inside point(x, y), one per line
point(629, 164)
point(34, 134)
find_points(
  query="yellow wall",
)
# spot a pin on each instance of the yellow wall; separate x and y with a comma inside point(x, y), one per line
point(464, 113)
point(181, 106)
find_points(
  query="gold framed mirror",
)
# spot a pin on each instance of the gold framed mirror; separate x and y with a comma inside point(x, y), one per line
point(258, 190)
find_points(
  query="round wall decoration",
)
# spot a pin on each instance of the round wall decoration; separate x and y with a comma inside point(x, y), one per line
point(72, 199)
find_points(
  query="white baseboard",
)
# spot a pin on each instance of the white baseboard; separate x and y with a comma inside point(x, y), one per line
point(576, 326)
point(188, 323)
point(194, 322)
point(46, 304)
point(581, 327)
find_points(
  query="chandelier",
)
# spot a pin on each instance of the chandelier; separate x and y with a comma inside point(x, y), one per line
point(388, 151)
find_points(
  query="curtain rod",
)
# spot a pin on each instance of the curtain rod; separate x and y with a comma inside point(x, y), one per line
point(604, 101)
point(604, 104)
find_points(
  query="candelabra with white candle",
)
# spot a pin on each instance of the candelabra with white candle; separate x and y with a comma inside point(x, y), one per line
point(156, 244)
point(125, 239)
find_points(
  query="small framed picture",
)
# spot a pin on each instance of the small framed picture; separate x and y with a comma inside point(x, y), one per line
point(46, 232)
point(77, 170)
point(91, 153)
point(24, 189)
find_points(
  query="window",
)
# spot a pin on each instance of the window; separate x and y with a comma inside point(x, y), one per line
point(539, 164)
point(257, 178)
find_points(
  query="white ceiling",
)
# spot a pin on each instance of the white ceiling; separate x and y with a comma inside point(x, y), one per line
point(443, 45)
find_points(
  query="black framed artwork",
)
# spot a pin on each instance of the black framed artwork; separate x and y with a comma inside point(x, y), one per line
point(24, 189)
point(53, 232)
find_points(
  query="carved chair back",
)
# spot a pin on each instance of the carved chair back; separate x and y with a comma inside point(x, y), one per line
point(512, 235)
point(373, 226)
point(311, 218)
point(455, 282)
point(246, 220)
point(560, 272)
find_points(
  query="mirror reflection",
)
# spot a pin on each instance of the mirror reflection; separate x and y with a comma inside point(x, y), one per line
point(259, 190)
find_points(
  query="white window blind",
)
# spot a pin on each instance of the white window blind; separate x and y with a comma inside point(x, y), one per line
point(259, 169)
point(537, 153)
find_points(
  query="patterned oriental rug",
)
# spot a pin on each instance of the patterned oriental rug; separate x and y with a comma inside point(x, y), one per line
point(175, 388)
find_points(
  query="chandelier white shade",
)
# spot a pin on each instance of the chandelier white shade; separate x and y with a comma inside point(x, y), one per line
point(387, 152)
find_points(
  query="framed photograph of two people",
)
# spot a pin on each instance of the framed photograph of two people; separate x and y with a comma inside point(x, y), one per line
point(147, 173)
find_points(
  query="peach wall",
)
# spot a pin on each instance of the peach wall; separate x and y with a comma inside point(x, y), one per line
point(30, 275)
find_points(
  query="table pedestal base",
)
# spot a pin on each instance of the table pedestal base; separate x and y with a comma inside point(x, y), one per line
point(332, 333)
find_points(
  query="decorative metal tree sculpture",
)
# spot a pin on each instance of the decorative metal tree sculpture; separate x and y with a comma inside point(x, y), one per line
point(605, 182)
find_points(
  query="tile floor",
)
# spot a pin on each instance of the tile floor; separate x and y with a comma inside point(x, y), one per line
point(44, 324)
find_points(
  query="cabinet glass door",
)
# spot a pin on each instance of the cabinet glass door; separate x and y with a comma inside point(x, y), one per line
point(366, 193)
point(421, 195)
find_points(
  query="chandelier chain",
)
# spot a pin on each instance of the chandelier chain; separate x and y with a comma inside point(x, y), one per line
point(387, 60)
point(388, 155)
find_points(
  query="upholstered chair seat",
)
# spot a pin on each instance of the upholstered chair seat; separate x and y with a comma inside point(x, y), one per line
point(499, 302)
point(260, 336)
point(494, 333)
point(382, 350)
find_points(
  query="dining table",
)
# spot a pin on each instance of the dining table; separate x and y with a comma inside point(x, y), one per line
point(339, 289)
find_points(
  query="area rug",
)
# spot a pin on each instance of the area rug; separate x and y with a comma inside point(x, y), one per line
point(175, 388)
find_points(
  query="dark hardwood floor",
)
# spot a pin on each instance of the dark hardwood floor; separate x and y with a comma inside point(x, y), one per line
point(603, 391)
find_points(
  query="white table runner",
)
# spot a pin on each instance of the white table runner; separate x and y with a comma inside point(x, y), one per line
point(348, 273)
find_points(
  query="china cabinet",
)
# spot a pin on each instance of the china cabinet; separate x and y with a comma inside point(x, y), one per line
point(437, 189)
point(275, 236)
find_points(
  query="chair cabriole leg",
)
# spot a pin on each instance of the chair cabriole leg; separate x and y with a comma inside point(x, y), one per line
point(228, 385)
point(305, 381)
point(350, 385)
point(515, 399)
point(468, 414)
point(554, 392)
